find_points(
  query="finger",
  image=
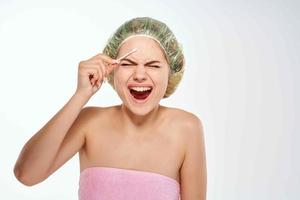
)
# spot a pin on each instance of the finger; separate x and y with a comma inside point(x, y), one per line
point(90, 73)
point(100, 74)
point(95, 72)
point(103, 66)
point(87, 70)
point(99, 65)
point(111, 68)
point(103, 69)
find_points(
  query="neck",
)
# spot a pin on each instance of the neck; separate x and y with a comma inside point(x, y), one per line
point(132, 120)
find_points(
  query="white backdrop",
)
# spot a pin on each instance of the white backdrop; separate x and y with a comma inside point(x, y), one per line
point(241, 80)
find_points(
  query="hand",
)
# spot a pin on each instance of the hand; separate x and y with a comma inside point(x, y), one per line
point(92, 72)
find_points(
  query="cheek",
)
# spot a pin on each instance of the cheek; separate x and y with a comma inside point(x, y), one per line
point(165, 80)
point(121, 77)
point(161, 78)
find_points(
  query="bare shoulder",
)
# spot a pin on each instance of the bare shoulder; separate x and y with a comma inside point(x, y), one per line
point(95, 112)
point(184, 120)
point(188, 126)
point(95, 116)
point(193, 168)
point(191, 127)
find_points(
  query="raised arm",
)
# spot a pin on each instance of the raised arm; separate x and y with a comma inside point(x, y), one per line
point(64, 134)
point(40, 151)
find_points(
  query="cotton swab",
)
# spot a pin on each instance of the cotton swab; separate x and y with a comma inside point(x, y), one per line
point(127, 54)
point(122, 57)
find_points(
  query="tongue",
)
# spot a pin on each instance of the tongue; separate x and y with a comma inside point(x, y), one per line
point(140, 95)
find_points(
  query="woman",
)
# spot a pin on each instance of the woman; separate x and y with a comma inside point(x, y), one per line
point(136, 150)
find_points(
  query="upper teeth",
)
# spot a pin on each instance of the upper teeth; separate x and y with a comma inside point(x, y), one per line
point(140, 89)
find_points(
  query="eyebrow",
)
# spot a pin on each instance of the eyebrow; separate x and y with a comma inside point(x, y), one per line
point(148, 63)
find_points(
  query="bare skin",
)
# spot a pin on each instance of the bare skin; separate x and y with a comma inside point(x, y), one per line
point(138, 148)
point(150, 138)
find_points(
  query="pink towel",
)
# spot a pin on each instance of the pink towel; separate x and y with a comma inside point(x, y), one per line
point(107, 183)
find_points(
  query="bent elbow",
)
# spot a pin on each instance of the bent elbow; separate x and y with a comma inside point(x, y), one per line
point(22, 178)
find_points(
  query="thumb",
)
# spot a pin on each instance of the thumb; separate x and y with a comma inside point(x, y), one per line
point(112, 67)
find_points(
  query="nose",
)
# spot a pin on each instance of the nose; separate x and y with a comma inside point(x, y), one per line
point(140, 73)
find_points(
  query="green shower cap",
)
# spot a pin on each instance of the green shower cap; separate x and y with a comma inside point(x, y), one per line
point(158, 31)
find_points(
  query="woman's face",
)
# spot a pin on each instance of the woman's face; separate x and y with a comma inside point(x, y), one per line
point(141, 78)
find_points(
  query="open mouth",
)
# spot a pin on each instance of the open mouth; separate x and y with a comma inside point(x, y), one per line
point(140, 93)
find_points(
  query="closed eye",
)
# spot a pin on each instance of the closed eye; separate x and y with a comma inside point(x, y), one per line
point(155, 66)
point(126, 64)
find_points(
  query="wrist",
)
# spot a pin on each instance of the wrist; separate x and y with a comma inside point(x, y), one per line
point(81, 97)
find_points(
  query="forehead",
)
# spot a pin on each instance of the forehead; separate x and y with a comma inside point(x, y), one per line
point(147, 48)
